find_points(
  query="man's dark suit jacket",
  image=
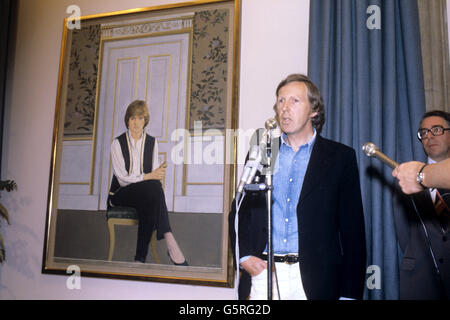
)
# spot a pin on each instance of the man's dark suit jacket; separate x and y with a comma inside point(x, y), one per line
point(418, 276)
point(331, 230)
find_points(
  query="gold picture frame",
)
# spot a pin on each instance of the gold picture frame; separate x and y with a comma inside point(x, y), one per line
point(77, 231)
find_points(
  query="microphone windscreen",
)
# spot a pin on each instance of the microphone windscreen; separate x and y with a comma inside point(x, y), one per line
point(270, 124)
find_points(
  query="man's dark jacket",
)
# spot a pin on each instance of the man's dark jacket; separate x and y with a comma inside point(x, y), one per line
point(421, 278)
point(330, 219)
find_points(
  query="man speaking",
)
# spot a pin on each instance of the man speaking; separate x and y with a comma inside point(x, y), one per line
point(317, 217)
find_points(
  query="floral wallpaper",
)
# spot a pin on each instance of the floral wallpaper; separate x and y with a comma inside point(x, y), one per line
point(82, 83)
point(209, 69)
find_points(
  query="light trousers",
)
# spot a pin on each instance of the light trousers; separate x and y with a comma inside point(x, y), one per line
point(289, 283)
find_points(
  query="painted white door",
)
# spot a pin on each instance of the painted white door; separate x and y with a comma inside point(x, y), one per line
point(154, 69)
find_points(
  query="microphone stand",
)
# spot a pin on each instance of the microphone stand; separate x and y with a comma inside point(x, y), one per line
point(267, 187)
point(269, 216)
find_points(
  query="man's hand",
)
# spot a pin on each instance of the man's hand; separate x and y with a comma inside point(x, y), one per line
point(406, 173)
point(254, 265)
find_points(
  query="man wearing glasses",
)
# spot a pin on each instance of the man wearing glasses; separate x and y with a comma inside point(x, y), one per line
point(423, 228)
point(433, 174)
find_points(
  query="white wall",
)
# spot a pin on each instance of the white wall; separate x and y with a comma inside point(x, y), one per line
point(274, 44)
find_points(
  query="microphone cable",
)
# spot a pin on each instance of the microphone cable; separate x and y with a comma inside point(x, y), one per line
point(238, 202)
point(430, 246)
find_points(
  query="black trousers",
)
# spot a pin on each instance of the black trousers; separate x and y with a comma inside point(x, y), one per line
point(147, 197)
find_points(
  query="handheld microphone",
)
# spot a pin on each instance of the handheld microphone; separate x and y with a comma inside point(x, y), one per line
point(371, 150)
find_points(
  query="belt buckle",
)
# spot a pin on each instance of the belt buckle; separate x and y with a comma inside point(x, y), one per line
point(289, 259)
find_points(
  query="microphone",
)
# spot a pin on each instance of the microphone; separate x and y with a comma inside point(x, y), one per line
point(371, 150)
point(250, 168)
point(270, 124)
point(255, 158)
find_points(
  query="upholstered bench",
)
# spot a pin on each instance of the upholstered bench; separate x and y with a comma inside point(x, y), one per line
point(124, 216)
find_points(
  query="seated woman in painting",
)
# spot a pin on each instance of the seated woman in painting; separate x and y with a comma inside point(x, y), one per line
point(136, 182)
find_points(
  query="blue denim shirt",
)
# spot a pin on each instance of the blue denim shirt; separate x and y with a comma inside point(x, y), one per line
point(289, 173)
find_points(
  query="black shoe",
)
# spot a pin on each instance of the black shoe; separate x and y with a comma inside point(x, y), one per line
point(184, 263)
point(142, 260)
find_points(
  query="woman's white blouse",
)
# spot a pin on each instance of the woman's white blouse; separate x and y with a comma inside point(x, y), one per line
point(118, 163)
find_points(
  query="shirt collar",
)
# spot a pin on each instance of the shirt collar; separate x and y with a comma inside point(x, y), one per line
point(132, 140)
point(310, 143)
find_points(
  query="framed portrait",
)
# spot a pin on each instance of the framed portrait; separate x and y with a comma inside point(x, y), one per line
point(183, 61)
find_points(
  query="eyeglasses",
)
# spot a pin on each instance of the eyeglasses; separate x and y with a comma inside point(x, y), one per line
point(435, 131)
